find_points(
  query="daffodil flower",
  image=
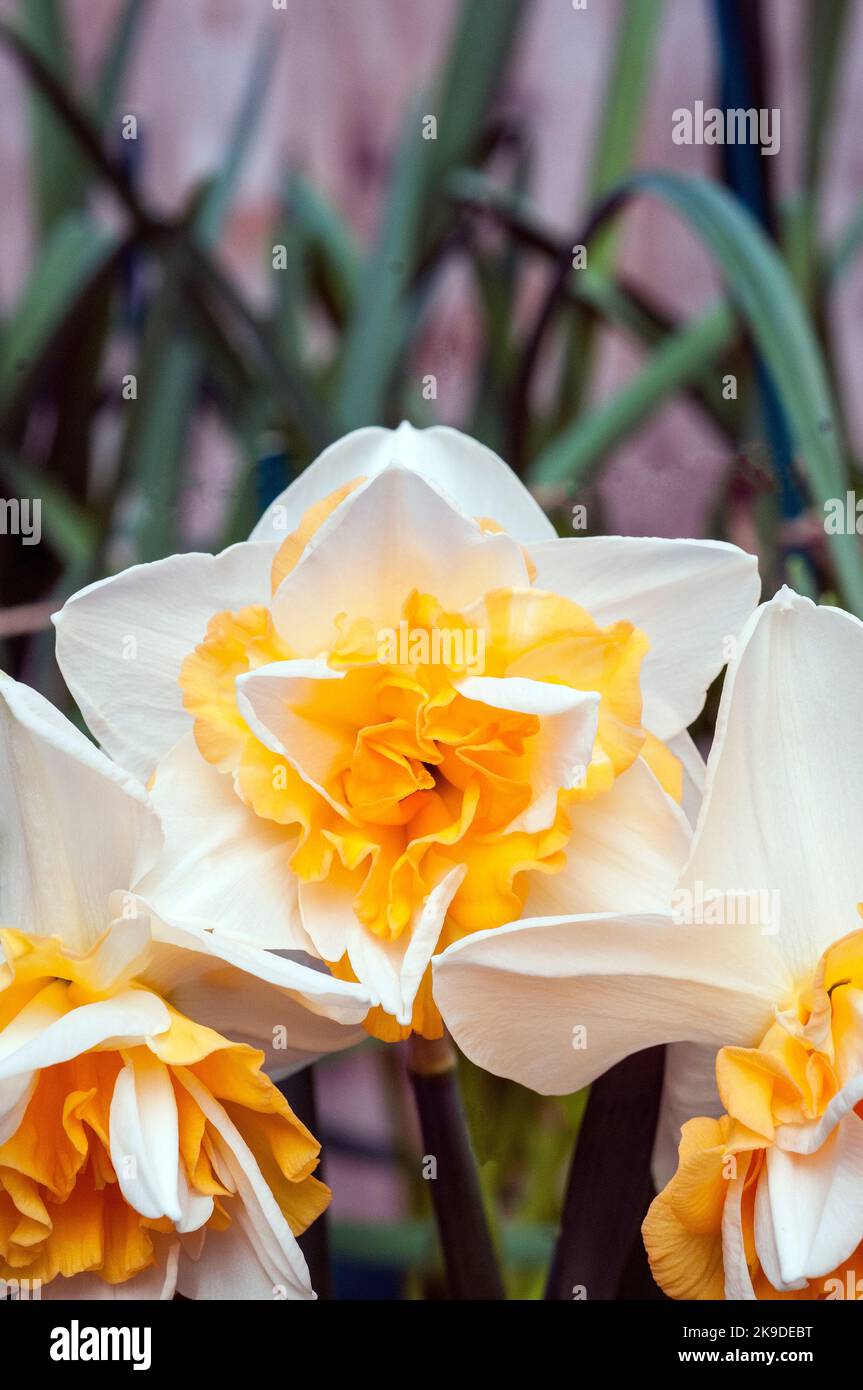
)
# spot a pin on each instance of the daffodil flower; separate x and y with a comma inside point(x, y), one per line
point(757, 957)
point(405, 711)
point(140, 1150)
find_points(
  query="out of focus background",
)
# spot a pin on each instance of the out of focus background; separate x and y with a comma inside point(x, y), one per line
point(233, 230)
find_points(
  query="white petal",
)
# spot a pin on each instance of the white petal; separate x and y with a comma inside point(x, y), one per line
point(626, 852)
point(196, 1208)
point(40, 1036)
point(257, 1211)
point(145, 1141)
point(809, 1208)
point(227, 1270)
point(246, 1010)
point(784, 793)
point(809, 1137)
point(561, 752)
point(121, 643)
point(391, 971)
point(180, 952)
point(688, 596)
point(694, 773)
point(123, 951)
point(222, 866)
point(15, 1096)
point(72, 825)
point(688, 1090)
point(272, 698)
point(475, 480)
point(553, 1003)
point(394, 535)
point(738, 1281)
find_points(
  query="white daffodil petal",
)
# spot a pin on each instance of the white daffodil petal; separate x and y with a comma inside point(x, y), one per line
point(222, 867)
point(688, 1089)
point(627, 849)
point(787, 753)
point(394, 535)
point(176, 959)
point(553, 1003)
point(738, 1281)
point(144, 1133)
point(474, 479)
point(227, 1269)
point(809, 1209)
point(123, 950)
point(15, 1096)
point(392, 970)
point(272, 700)
point(127, 1017)
point(694, 773)
point(808, 1138)
point(690, 597)
point(122, 641)
point(196, 1208)
point(247, 1010)
point(73, 826)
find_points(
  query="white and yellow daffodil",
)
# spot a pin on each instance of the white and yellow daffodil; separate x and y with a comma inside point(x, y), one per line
point(405, 711)
point(758, 956)
point(140, 1150)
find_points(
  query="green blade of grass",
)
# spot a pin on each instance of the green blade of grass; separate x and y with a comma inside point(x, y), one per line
point(416, 212)
point(759, 284)
point(75, 257)
point(60, 173)
point(614, 153)
point(115, 60)
point(676, 364)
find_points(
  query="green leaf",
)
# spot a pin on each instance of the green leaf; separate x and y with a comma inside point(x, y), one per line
point(74, 260)
point(678, 362)
point(760, 285)
point(374, 343)
point(613, 157)
point(623, 111)
point(115, 60)
point(479, 51)
point(60, 172)
point(323, 245)
point(417, 212)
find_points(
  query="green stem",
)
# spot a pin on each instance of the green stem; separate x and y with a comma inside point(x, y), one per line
point(469, 1258)
point(609, 1180)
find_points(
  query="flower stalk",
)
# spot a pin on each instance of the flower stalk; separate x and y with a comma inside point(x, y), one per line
point(609, 1180)
point(471, 1266)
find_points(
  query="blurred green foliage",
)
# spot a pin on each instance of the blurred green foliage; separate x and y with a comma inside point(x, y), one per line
point(151, 293)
